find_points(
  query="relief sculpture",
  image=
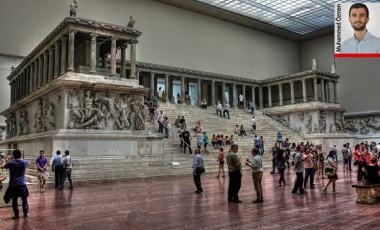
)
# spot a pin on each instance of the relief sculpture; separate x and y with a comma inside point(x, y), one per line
point(24, 123)
point(309, 124)
point(322, 122)
point(39, 124)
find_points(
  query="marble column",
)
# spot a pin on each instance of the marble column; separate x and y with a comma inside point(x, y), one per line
point(328, 91)
point(261, 97)
point(304, 90)
point(31, 75)
point(40, 71)
point(45, 69)
point(253, 96)
point(123, 62)
point(323, 90)
point(12, 92)
point(35, 75)
point(234, 96)
point(199, 91)
point(292, 101)
point(213, 102)
point(56, 59)
point(133, 60)
point(51, 64)
point(223, 93)
point(315, 81)
point(167, 88)
point(113, 56)
point(63, 54)
point(93, 57)
point(244, 97)
point(280, 96)
point(152, 84)
point(71, 51)
point(183, 99)
point(270, 95)
point(336, 99)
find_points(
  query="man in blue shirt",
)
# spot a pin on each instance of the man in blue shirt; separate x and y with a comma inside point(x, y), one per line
point(362, 41)
point(57, 168)
point(198, 169)
point(17, 183)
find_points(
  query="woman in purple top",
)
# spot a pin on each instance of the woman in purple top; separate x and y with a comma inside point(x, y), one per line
point(17, 183)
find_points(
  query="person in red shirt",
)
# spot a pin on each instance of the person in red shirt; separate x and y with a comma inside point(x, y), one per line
point(220, 159)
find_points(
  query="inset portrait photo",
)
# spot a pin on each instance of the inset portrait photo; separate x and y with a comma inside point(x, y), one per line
point(357, 30)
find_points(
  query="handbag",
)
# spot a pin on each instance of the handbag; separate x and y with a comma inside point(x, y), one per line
point(329, 171)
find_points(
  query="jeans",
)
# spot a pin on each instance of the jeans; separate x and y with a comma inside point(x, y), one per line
point(234, 185)
point(299, 183)
point(228, 113)
point(309, 172)
point(197, 181)
point(25, 205)
point(349, 163)
point(257, 176)
point(58, 173)
point(166, 132)
point(282, 178)
point(66, 174)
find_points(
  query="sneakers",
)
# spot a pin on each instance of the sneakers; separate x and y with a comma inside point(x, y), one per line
point(324, 189)
point(336, 191)
point(42, 189)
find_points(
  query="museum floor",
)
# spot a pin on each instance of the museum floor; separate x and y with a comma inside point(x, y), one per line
point(170, 203)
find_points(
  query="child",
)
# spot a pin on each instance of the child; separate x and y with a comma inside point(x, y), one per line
point(220, 159)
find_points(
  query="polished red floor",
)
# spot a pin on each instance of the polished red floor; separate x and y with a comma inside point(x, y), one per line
point(170, 203)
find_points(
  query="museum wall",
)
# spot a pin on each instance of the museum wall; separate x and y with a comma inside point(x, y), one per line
point(171, 36)
point(358, 86)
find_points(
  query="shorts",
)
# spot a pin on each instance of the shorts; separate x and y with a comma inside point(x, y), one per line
point(345, 161)
point(205, 145)
point(221, 162)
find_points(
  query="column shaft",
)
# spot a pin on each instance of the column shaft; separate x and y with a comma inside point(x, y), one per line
point(270, 95)
point(234, 96)
point(123, 61)
point(151, 84)
point(133, 60)
point(45, 69)
point(183, 99)
point(51, 64)
point(292, 92)
point(336, 98)
point(40, 72)
point(167, 88)
point(71, 51)
point(261, 98)
point(224, 93)
point(213, 102)
point(113, 56)
point(280, 94)
point(253, 96)
point(244, 97)
point(315, 81)
point(328, 92)
point(323, 90)
point(304, 90)
point(199, 91)
point(63, 54)
point(56, 59)
point(31, 75)
point(93, 53)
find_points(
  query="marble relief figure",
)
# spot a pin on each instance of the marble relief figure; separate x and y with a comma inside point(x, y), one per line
point(322, 122)
point(24, 123)
point(73, 9)
point(100, 111)
point(12, 125)
point(39, 122)
point(309, 124)
point(51, 115)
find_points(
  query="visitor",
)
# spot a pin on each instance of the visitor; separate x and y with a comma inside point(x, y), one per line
point(57, 168)
point(67, 163)
point(204, 104)
point(166, 125)
point(299, 169)
point(261, 146)
point(234, 173)
point(198, 169)
point(345, 155)
point(241, 100)
point(186, 140)
point(253, 124)
point(183, 122)
point(219, 109)
point(256, 165)
point(373, 171)
point(205, 142)
point(275, 150)
point(280, 164)
point(178, 98)
point(309, 167)
point(177, 122)
point(242, 131)
point(331, 163)
point(226, 110)
point(161, 118)
point(17, 183)
point(220, 160)
point(321, 162)
point(42, 174)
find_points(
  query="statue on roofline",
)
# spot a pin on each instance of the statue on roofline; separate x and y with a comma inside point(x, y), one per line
point(73, 8)
point(131, 22)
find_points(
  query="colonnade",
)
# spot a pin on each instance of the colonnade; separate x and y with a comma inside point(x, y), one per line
point(58, 57)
